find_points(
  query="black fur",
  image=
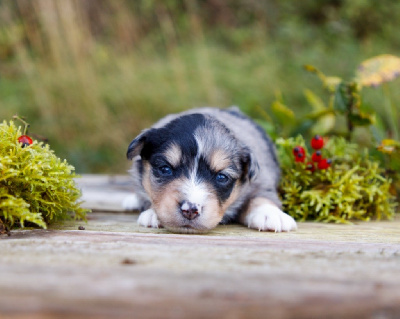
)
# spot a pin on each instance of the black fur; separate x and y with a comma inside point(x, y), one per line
point(205, 173)
point(179, 131)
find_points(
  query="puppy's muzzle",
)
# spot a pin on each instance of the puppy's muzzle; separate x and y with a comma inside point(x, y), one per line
point(189, 210)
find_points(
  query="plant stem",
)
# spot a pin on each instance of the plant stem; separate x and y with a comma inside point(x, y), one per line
point(26, 124)
point(391, 112)
point(350, 125)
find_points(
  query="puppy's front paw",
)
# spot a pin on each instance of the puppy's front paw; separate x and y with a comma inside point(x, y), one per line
point(149, 218)
point(270, 218)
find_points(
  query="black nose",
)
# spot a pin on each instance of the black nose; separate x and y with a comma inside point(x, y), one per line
point(189, 210)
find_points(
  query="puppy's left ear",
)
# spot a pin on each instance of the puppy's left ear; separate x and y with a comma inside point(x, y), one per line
point(137, 144)
point(249, 165)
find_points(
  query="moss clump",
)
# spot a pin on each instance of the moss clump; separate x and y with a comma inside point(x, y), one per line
point(35, 185)
point(353, 188)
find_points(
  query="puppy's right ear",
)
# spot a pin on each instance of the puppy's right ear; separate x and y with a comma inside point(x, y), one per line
point(136, 145)
point(250, 165)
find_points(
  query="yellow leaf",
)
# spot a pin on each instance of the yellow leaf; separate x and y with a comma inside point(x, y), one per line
point(387, 146)
point(379, 69)
point(314, 100)
point(331, 82)
point(390, 142)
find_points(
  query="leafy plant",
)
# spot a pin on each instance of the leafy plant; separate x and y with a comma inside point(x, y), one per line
point(353, 188)
point(344, 101)
point(35, 185)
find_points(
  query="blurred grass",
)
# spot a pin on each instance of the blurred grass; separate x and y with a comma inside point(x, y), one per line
point(89, 75)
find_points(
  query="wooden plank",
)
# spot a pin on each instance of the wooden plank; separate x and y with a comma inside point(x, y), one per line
point(104, 192)
point(116, 269)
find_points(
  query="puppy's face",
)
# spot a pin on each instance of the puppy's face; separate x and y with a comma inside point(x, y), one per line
point(192, 169)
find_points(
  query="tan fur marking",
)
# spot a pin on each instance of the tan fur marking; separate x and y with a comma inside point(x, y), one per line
point(173, 155)
point(146, 177)
point(232, 198)
point(165, 202)
point(212, 209)
point(167, 193)
point(213, 212)
point(219, 160)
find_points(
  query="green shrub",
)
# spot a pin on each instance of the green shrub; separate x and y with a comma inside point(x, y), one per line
point(353, 188)
point(35, 185)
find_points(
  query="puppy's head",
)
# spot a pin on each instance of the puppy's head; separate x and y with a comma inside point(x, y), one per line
point(192, 169)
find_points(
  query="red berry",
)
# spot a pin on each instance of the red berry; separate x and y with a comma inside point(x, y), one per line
point(310, 166)
point(298, 150)
point(25, 140)
point(317, 156)
point(300, 157)
point(317, 142)
point(324, 163)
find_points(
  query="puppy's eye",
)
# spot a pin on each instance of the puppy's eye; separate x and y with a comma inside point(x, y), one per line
point(165, 170)
point(222, 178)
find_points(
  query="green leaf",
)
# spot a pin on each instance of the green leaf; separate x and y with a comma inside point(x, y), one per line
point(282, 112)
point(361, 119)
point(329, 82)
point(341, 98)
point(302, 128)
point(315, 101)
point(324, 124)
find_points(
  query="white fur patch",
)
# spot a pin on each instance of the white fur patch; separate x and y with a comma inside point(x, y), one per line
point(196, 194)
point(149, 218)
point(270, 218)
point(131, 202)
point(193, 190)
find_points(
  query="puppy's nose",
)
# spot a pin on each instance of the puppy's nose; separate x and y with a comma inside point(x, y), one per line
point(189, 210)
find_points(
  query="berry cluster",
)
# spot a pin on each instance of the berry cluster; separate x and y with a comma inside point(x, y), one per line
point(317, 161)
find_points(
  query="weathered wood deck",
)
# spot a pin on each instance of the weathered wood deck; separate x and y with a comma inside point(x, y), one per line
point(115, 269)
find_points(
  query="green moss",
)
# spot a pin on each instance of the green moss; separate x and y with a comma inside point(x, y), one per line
point(35, 185)
point(353, 188)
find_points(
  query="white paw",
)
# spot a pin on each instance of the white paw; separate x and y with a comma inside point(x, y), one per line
point(149, 218)
point(269, 217)
point(131, 202)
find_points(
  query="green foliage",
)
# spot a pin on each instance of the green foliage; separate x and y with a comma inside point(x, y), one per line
point(346, 112)
point(345, 109)
point(353, 188)
point(35, 185)
point(389, 154)
point(123, 64)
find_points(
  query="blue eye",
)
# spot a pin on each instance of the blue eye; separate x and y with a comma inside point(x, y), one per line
point(165, 170)
point(222, 178)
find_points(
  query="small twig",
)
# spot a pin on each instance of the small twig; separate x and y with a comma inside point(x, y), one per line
point(26, 124)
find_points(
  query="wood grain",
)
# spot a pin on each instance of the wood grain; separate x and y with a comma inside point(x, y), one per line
point(116, 269)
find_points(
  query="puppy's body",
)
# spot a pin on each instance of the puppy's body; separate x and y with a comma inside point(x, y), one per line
point(196, 169)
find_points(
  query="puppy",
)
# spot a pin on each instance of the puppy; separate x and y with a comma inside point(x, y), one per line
point(197, 169)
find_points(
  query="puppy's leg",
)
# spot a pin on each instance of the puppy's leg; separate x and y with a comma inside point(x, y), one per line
point(263, 214)
point(149, 218)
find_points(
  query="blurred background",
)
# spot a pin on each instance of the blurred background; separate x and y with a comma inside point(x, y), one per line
point(91, 74)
